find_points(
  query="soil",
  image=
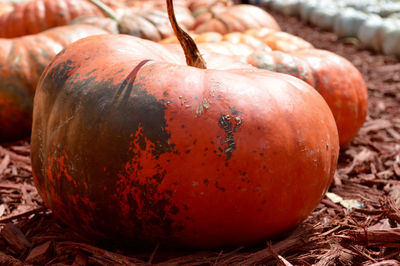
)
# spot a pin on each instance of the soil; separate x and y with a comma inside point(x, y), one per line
point(356, 223)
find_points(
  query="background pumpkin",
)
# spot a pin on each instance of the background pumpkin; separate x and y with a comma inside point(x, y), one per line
point(235, 18)
point(23, 60)
point(38, 15)
point(149, 23)
point(261, 145)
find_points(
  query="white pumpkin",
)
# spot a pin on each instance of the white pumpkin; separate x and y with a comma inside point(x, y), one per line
point(324, 17)
point(348, 22)
point(286, 7)
point(367, 34)
point(305, 9)
point(391, 40)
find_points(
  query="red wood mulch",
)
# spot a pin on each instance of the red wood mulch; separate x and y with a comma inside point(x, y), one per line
point(367, 179)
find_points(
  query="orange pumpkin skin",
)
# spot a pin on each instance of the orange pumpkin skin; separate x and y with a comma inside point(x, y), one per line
point(19, 76)
point(335, 78)
point(38, 15)
point(175, 154)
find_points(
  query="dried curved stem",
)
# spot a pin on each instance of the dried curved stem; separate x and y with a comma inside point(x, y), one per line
point(192, 54)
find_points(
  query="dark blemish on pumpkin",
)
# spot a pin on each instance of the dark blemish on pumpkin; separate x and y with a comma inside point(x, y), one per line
point(61, 73)
point(187, 151)
point(327, 146)
point(187, 218)
point(165, 93)
point(180, 228)
point(220, 149)
point(206, 149)
point(226, 123)
point(87, 58)
point(171, 119)
point(195, 141)
point(205, 181)
point(196, 98)
point(90, 72)
point(264, 201)
point(219, 96)
point(182, 126)
point(219, 187)
point(212, 142)
point(185, 207)
point(234, 111)
point(174, 210)
point(120, 71)
point(261, 154)
point(203, 164)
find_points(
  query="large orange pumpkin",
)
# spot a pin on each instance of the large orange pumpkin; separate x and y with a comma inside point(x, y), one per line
point(128, 142)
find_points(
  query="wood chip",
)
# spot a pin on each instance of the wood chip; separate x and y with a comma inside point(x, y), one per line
point(15, 238)
point(41, 254)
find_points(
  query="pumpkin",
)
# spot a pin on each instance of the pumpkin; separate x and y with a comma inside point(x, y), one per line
point(335, 78)
point(38, 15)
point(152, 24)
point(23, 60)
point(235, 18)
point(324, 17)
point(130, 143)
point(348, 22)
point(370, 33)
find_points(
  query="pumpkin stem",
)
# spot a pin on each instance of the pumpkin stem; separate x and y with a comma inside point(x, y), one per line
point(106, 10)
point(192, 53)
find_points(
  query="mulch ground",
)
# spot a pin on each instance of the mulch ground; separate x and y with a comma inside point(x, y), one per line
point(356, 223)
